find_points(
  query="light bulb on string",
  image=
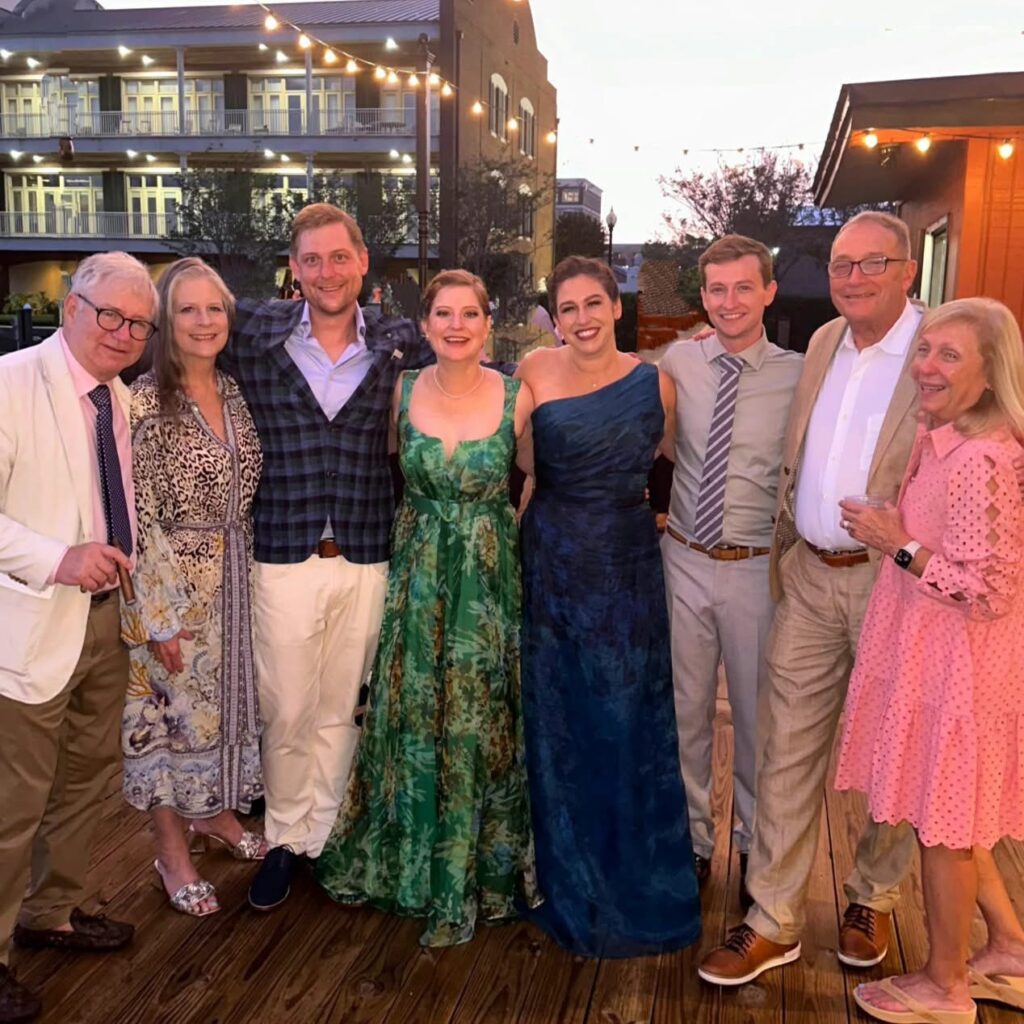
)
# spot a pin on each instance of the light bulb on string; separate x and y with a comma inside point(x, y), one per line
point(392, 78)
point(413, 81)
point(1005, 149)
point(379, 73)
point(446, 89)
point(870, 140)
point(477, 108)
point(923, 144)
point(270, 23)
point(304, 41)
point(434, 79)
point(351, 67)
point(330, 56)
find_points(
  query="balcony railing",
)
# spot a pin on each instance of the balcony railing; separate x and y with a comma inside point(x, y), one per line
point(64, 223)
point(361, 122)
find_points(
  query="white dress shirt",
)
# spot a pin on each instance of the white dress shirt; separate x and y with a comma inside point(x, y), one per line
point(844, 427)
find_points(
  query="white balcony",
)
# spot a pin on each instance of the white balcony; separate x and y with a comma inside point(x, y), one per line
point(361, 122)
point(69, 224)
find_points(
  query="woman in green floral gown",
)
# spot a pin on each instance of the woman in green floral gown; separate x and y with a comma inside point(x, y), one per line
point(436, 820)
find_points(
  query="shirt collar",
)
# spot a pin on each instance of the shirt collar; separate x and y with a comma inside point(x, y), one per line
point(81, 378)
point(304, 328)
point(944, 440)
point(897, 339)
point(753, 356)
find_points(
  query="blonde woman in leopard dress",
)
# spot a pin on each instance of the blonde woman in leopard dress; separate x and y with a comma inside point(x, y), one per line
point(190, 732)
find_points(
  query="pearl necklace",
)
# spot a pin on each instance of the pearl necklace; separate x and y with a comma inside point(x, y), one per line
point(448, 394)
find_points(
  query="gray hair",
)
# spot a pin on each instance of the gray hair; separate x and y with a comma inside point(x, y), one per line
point(896, 227)
point(103, 266)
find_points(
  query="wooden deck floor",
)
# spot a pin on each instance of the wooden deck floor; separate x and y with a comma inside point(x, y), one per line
point(312, 961)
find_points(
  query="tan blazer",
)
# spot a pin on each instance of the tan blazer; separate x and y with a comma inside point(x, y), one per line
point(46, 482)
point(892, 451)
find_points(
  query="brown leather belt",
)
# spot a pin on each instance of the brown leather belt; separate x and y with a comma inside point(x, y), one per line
point(328, 548)
point(102, 597)
point(840, 559)
point(720, 552)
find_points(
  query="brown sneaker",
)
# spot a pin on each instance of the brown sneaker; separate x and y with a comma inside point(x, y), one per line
point(744, 956)
point(863, 936)
point(17, 1003)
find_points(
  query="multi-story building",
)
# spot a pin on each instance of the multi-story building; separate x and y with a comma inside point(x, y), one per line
point(102, 112)
point(578, 195)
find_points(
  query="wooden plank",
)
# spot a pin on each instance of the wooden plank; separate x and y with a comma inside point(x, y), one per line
point(561, 987)
point(432, 988)
point(624, 991)
point(497, 989)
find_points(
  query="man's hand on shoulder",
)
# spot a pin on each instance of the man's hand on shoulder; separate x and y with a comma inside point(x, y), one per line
point(90, 566)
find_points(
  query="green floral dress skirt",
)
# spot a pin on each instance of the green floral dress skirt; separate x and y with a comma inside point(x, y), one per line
point(436, 820)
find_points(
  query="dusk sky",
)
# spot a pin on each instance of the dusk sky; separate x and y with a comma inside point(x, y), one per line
point(669, 75)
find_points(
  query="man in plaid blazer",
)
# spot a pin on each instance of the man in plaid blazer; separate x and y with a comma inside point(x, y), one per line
point(318, 377)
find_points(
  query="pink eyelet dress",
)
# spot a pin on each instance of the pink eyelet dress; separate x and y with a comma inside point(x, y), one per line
point(934, 720)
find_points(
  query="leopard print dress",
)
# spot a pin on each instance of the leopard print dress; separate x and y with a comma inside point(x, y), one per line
point(191, 740)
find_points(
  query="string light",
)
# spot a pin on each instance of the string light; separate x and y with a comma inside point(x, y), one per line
point(1005, 149)
point(552, 137)
point(413, 81)
point(332, 54)
point(870, 140)
point(32, 62)
point(281, 56)
point(123, 51)
point(923, 144)
point(434, 80)
point(146, 60)
point(513, 124)
point(477, 108)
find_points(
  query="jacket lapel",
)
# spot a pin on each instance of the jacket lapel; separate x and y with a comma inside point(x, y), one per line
point(67, 414)
point(903, 397)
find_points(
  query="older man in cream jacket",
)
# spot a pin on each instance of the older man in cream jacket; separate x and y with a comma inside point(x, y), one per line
point(67, 528)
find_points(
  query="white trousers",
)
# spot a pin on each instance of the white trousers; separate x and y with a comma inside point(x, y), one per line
point(316, 629)
point(719, 611)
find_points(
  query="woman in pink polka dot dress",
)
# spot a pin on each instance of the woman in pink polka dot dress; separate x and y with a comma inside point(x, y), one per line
point(934, 719)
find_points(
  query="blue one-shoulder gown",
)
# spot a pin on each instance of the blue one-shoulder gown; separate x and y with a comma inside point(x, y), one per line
point(613, 852)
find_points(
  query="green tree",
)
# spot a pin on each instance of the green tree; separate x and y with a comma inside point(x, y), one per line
point(765, 198)
point(578, 234)
point(232, 219)
point(498, 202)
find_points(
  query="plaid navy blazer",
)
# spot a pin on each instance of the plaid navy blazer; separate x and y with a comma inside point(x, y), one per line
point(314, 467)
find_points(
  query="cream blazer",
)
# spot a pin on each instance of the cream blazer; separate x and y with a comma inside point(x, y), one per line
point(892, 450)
point(46, 482)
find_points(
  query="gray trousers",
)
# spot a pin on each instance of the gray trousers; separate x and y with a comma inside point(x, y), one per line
point(718, 612)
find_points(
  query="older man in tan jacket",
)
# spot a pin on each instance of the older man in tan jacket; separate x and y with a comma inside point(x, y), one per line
point(850, 432)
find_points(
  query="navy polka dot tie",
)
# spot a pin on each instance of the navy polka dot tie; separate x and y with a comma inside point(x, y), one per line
point(115, 508)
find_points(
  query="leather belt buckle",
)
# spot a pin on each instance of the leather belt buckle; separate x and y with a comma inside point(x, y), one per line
point(839, 559)
point(328, 548)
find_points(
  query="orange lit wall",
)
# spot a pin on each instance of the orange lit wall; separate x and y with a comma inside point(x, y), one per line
point(991, 259)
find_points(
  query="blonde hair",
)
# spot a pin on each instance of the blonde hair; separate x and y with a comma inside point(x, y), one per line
point(1002, 352)
point(319, 215)
point(454, 279)
point(729, 248)
point(163, 350)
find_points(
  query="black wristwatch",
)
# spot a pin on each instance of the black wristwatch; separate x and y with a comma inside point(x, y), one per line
point(905, 555)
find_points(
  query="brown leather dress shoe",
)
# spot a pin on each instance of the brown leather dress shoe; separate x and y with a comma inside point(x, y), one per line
point(863, 936)
point(744, 956)
point(17, 1003)
point(88, 934)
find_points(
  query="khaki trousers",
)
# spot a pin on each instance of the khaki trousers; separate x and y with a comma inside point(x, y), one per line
point(810, 656)
point(57, 760)
point(316, 625)
point(718, 612)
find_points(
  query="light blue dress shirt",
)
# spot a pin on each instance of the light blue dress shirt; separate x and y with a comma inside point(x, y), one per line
point(332, 384)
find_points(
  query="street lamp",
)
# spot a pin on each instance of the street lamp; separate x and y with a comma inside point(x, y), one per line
point(611, 220)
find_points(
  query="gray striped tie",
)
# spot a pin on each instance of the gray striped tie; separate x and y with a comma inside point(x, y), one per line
point(711, 500)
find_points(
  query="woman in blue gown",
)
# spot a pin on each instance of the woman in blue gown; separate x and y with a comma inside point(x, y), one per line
point(613, 852)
